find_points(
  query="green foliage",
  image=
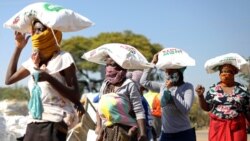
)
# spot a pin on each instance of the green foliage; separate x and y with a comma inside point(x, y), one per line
point(11, 93)
point(78, 45)
point(198, 117)
point(246, 77)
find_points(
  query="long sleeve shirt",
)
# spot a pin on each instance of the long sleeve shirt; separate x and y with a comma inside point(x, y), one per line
point(175, 111)
point(127, 98)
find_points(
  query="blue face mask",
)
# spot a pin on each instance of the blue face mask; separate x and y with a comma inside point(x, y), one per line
point(173, 77)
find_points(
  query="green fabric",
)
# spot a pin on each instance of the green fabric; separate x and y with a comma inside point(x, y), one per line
point(166, 98)
point(35, 104)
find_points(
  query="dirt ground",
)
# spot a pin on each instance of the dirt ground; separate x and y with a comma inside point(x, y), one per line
point(201, 135)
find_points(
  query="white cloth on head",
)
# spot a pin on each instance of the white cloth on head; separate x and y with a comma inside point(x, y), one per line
point(234, 59)
point(126, 56)
point(51, 15)
point(173, 58)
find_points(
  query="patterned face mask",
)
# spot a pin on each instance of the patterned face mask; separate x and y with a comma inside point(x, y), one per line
point(174, 77)
point(227, 78)
point(114, 73)
point(227, 73)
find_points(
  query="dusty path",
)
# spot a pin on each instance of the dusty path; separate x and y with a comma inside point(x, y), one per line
point(201, 135)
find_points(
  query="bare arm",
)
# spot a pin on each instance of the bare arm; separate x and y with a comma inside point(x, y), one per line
point(99, 129)
point(203, 104)
point(13, 75)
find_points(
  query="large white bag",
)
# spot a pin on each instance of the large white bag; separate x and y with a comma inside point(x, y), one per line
point(235, 59)
point(125, 55)
point(53, 16)
point(173, 58)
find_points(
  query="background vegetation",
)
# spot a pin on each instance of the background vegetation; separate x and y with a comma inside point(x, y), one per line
point(11, 93)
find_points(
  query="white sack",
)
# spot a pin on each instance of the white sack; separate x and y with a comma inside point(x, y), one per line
point(174, 58)
point(53, 16)
point(235, 59)
point(91, 136)
point(126, 56)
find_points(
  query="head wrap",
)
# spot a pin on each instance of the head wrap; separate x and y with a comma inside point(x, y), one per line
point(135, 76)
point(46, 43)
point(182, 69)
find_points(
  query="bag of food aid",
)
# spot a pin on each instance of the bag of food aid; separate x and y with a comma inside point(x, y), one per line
point(212, 65)
point(53, 16)
point(174, 58)
point(128, 57)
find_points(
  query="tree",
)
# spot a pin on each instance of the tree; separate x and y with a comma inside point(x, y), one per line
point(198, 117)
point(10, 93)
point(246, 77)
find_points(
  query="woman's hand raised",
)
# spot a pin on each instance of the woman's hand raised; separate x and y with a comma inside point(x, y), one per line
point(21, 39)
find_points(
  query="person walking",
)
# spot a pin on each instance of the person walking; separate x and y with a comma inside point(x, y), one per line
point(120, 115)
point(176, 101)
point(228, 102)
point(136, 76)
point(53, 86)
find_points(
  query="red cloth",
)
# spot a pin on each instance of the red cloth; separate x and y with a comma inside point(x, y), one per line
point(227, 129)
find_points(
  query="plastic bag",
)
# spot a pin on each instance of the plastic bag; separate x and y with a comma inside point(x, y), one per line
point(235, 59)
point(53, 16)
point(125, 55)
point(174, 58)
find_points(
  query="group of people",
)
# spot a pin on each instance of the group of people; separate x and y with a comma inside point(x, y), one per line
point(122, 114)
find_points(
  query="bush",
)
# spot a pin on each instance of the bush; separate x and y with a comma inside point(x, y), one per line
point(198, 117)
point(11, 93)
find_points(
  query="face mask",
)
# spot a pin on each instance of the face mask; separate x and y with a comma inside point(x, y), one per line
point(115, 75)
point(227, 76)
point(174, 78)
point(227, 79)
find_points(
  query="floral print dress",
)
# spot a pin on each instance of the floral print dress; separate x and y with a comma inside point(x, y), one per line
point(227, 106)
point(227, 120)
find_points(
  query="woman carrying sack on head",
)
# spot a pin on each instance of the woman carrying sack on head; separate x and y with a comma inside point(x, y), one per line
point(53, 85)
point(228, 102)
point(120, 115)
point(176, 100)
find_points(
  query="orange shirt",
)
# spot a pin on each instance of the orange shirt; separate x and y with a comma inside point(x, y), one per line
point(156, 106)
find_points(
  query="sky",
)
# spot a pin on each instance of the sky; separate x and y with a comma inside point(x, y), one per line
point(202, 28)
